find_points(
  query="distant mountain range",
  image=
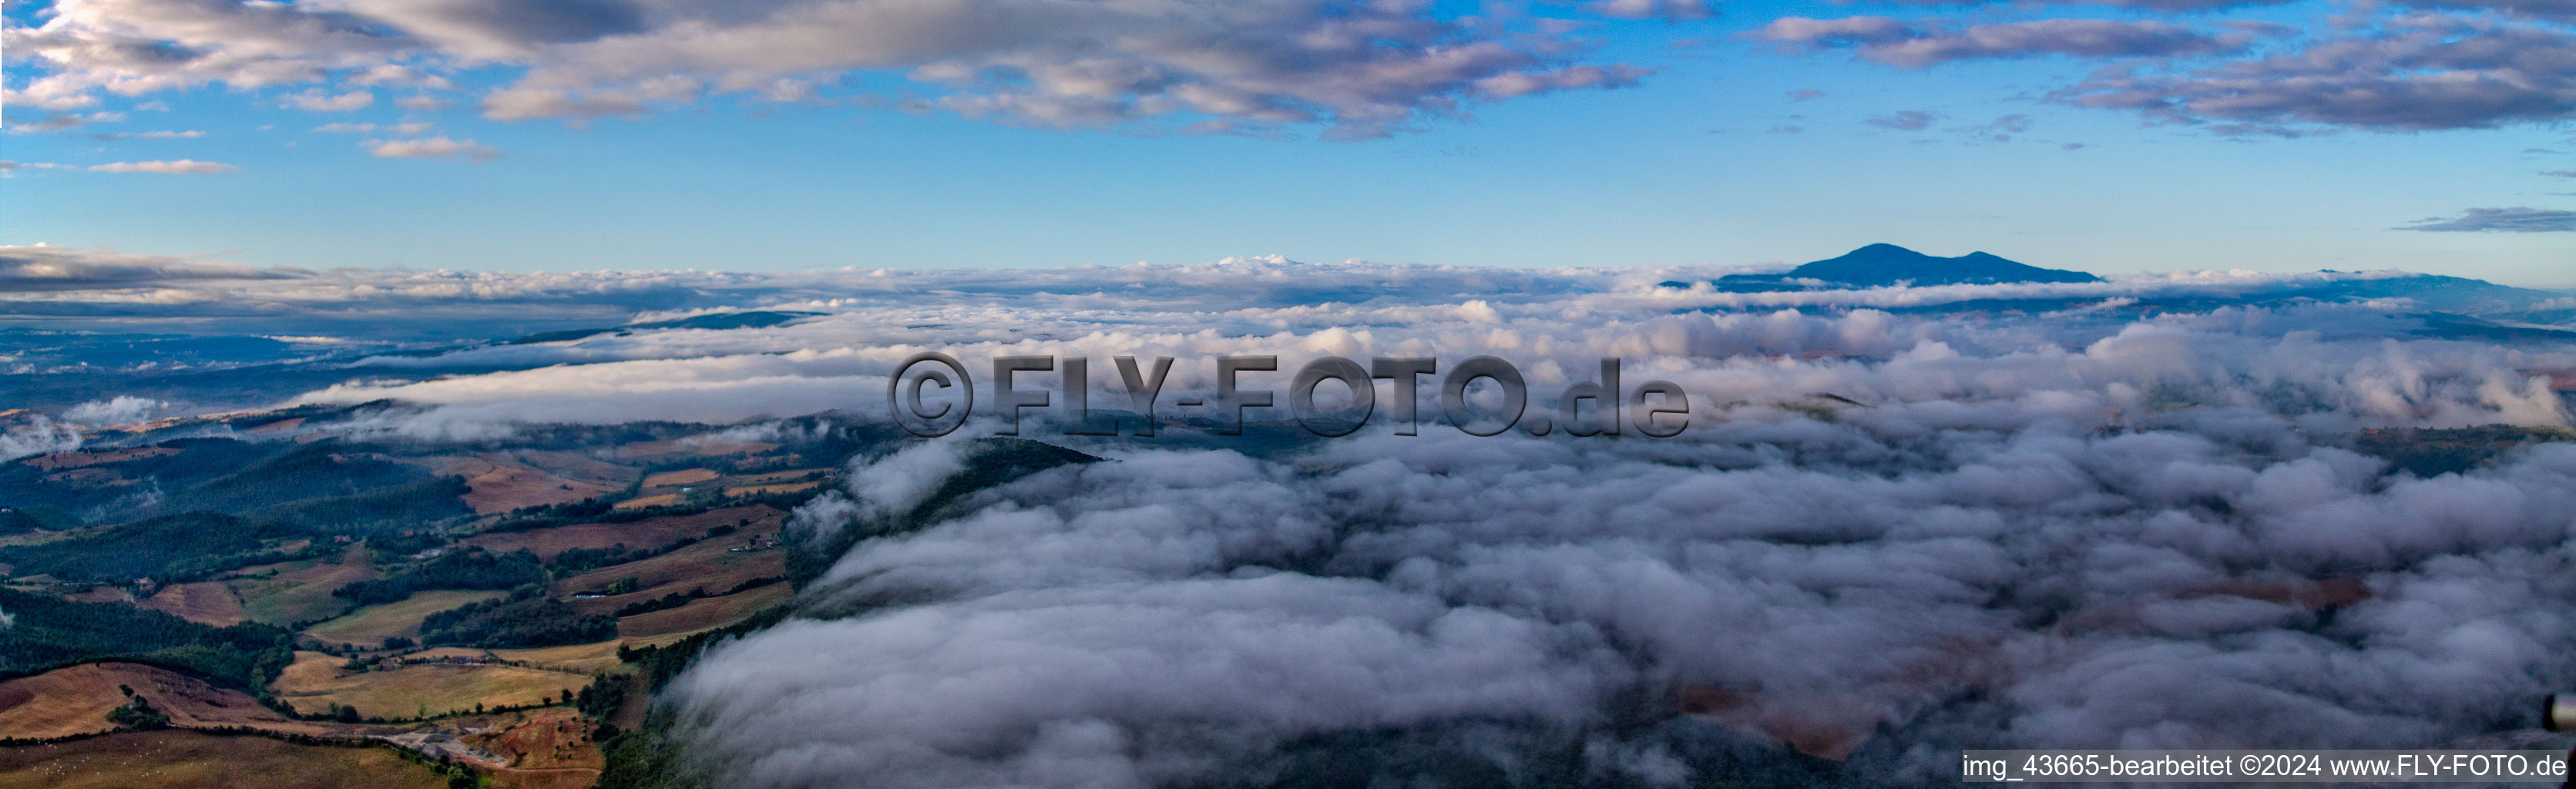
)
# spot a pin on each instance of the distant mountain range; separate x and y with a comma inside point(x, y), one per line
point(1881, 265)
point(2443, 306)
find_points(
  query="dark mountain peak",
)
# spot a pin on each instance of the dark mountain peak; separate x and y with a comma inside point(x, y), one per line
point(1880, 265)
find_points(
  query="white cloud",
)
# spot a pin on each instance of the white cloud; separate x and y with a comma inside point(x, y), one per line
point(432, 148)
point(122, 409)
point(37, 436)
point(172, 167)
point(1358, 69)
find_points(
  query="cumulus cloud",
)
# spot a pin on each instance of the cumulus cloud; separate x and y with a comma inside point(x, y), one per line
point(2559, 11)
point(171, 167)
point(2417, 72)
point(2500, 220)
point(1914, 44)
point(432, 148)
point(1358, 69)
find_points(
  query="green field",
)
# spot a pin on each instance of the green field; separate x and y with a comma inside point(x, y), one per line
point(370, 626)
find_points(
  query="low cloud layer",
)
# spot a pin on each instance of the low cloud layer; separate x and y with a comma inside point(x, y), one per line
point(2130, 513)
point(77, 270)
point(1880, 589)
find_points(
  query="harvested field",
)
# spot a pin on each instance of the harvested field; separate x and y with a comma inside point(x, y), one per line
point(500, 484)
point(703, 614)
point(646, 533)
point(315, 682)
point(690, 476)
point(204, 602)
point(76, 699)
point(103, 594)
point(775, 477)
point(370, 626)
point(765, 490)
point(575, 465)
point(193, 760)
point(707, 565)
point(594, 659)
point(640, 502)
point(544, 778)
point(63, 460)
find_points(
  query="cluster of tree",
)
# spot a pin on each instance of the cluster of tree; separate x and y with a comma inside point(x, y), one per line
point(527, 618)
point(677, 599)
point(300, 472)
point(194, 461)
point(605, 694)
point(391, 507)
point(137, 712)
point(663, 603)
point(392, 547)
point(525, 518)
point(580, 560)
point(658, 664)
point(38, 517)
point(48, 632)
point(217, 504)
point(144, 548)
point(464, 568)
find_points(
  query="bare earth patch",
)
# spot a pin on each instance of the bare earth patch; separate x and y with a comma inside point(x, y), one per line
point(689, 476)
point(204, 602)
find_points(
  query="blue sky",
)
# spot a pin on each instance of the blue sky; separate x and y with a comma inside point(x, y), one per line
point(1694, 163)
